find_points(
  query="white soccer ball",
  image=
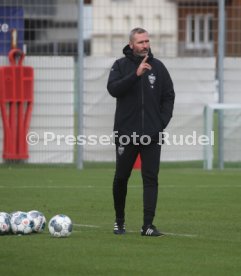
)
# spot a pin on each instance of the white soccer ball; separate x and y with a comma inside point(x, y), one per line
point(21, 223)
point(38, 219)
point(5, 225)
point(60, 226)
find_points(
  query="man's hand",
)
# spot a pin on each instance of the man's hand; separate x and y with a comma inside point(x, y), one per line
point(143, 67)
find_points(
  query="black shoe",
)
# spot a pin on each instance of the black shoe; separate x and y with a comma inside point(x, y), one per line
point(119, 228)
point(150, 230)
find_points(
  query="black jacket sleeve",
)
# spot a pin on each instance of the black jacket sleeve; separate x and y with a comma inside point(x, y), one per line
point(167, 101)
point(118, 85)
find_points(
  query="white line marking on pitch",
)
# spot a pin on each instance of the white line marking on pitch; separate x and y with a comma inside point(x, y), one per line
point(131, 231)
point(109, 187)
point(47, 187)
point(170, 234)
point(181, 235)
point(86, 225)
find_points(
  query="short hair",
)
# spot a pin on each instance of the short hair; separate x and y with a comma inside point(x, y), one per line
point(136, 31)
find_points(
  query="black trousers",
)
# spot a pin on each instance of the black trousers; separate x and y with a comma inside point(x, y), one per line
point(150, 162)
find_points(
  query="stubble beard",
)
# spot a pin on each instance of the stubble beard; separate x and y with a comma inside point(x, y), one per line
point(141, 53)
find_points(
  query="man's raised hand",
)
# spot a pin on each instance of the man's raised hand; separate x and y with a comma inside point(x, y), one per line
point(143, 66)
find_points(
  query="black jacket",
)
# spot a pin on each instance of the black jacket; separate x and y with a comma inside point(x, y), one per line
point(144, 103)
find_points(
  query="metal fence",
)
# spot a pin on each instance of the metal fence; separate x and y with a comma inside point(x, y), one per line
point(71, 45)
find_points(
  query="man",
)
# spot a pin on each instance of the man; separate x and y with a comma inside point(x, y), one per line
point(145, 98)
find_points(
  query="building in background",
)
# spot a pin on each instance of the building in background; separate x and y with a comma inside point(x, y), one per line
point(113, 20)
point(51, 26)
point(198, 27)
point(176, 27)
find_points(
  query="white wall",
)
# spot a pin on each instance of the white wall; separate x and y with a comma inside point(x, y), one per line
point(194, 83)
point(232, 118)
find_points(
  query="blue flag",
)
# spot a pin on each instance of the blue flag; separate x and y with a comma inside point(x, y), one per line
point(11, 18)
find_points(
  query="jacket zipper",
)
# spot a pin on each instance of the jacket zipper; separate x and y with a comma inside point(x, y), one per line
point(142, 106)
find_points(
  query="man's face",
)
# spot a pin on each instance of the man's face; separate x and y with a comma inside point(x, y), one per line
point(140, 44)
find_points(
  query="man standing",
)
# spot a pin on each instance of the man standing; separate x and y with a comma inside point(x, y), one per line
point(145, 98)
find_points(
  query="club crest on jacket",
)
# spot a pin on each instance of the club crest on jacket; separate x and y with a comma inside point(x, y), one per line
point(152, 79)
point(121, 150)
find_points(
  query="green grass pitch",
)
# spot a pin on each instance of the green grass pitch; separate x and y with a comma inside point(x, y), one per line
point(199, 212)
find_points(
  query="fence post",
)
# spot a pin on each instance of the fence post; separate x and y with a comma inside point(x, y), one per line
point(80, 82)
point(221, 41)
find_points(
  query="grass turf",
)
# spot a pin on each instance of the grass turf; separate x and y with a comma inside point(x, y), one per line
point(199, 211)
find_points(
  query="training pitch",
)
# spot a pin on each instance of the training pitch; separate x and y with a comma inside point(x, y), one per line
point(199, 212)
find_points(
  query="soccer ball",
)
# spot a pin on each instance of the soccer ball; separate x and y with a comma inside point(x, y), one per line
point(38, 219)
point(60, 226)
point(21, 223)
point(4, 223)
